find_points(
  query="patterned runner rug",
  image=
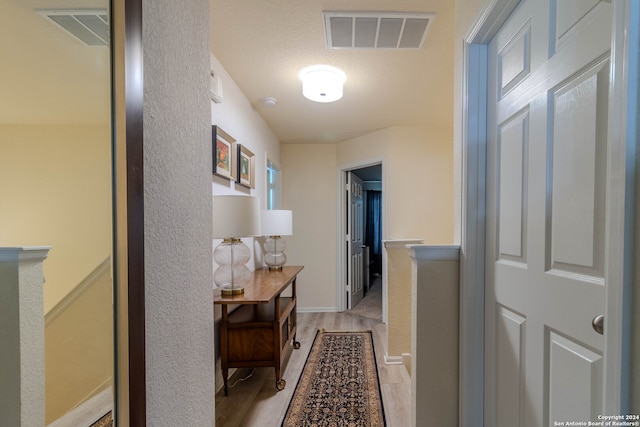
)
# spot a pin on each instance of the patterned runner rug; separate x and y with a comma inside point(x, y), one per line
point(339, 384)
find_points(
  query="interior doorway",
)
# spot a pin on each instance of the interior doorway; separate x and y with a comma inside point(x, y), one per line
point(363, 224)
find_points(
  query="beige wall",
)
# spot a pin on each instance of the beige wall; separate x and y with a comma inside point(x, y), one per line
point(238, 118)
point(418, 179)
point(55, 183)
point(79, 346)
point(417, 203)
point(399, 301)
point(309, 190)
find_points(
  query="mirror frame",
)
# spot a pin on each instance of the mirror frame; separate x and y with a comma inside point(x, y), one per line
point(128, 212)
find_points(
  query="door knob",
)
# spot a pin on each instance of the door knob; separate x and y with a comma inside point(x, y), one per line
point(598, 324)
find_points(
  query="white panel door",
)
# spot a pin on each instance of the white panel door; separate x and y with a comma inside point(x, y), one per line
point(546, 160)
point(355, 239)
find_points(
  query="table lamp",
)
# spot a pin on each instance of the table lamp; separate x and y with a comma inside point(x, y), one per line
point(234, 217)
point(275, 224)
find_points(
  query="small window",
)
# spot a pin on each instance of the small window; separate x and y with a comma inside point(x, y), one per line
point(273, 185)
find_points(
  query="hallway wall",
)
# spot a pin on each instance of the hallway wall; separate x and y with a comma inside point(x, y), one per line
point(418, 174)
point(55, 183)
point(236, 116)
point(309, 184)
point(418, 199)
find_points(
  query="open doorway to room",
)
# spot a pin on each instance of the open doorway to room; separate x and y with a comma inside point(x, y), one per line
point(362, 222)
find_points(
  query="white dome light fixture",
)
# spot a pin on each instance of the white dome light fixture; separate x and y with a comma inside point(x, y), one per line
point(322, 83)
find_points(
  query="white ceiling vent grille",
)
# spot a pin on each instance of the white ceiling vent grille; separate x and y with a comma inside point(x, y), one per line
point(90, 26)
point(377, 30)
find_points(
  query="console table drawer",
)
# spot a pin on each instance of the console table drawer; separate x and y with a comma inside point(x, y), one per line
point(254, 344)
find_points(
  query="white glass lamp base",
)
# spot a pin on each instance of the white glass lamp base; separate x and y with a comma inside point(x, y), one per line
point(232, 273)
point(274, 255)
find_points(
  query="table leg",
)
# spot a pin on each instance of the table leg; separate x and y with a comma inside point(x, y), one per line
point(296, 344)
point(277, 344)
point(224, 359)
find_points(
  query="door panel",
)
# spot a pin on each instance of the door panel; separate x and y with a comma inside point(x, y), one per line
point(577, 179)
point(571, 17)
point(511, 329)
point(575, 372)
point(546, 167)
point(355, 217)
point(512, 191)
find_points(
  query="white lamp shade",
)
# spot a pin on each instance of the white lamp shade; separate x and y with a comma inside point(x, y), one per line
point(236, 216)
point(277, 223)
point(322, 83)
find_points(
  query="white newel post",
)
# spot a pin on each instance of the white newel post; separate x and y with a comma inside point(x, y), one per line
point(22, 336)
point(434, 334)
point(398, 297)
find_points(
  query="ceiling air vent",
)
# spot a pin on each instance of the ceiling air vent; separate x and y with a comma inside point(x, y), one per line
point(90, 26)
point(377, 30)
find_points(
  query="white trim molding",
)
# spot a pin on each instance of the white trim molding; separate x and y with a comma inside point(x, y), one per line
point(434, 252)
point(622, 179)
point(75, 293)
point(474, 139)
point(341, 254)
point(392, 360)
point(24, 253)
point(400, 243)
point(317, 309)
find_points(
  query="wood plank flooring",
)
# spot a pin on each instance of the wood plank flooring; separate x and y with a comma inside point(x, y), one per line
point(254, 401)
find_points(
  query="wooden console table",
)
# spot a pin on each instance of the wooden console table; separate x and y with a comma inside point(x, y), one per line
point(260, 332)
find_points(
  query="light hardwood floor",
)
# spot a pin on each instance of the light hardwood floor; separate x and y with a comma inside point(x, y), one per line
point(254, 402)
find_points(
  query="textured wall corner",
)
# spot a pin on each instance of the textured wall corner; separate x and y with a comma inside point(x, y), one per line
point(178, 228)
point(22, 336)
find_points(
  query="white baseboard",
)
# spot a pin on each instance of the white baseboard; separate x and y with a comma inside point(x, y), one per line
point(88, 412)
point(76, 292)
point(406, 360)
point(317, 309)
point(392, 360)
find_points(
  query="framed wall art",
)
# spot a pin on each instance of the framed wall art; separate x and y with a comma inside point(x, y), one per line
point(246, 167)
point(224, 153)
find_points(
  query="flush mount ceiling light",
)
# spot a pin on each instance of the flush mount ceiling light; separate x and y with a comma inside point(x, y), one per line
point(322, 83)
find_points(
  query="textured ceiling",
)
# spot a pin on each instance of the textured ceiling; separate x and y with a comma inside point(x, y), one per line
point(49, 77)
point(263, 45)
